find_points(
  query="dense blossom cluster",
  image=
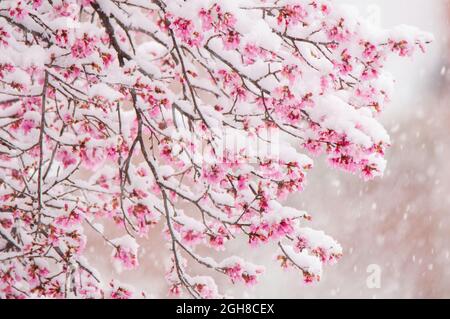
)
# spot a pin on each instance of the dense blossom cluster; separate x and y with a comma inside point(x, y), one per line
point(134, 111)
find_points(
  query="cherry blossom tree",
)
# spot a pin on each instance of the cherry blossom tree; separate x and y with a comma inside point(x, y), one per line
point(191, 114)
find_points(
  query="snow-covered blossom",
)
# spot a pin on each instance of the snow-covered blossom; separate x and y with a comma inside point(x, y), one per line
point(159, 116)
point(125, 253)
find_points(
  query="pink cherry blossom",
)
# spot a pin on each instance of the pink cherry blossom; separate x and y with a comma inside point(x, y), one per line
point(67, 158)
point(18, 11)
point(27, 126)
point(83, 47)
point(150, 122)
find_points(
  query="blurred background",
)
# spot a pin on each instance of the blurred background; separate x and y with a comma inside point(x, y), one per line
point(400, 223)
